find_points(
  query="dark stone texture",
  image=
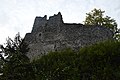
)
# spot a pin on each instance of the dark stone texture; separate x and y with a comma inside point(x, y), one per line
point(53, 34)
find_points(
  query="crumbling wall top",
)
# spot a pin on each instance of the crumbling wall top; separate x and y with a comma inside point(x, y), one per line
point(41, 22)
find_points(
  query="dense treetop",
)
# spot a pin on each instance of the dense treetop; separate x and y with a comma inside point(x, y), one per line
point(96, 17)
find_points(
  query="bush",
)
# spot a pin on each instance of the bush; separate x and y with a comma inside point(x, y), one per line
point(98, 62)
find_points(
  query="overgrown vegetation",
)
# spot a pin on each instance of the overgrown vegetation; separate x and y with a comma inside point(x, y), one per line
point(98, 62)
point(15, 65)
point(96, 17)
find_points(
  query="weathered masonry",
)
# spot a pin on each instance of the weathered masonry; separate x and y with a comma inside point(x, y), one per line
point(53, 34)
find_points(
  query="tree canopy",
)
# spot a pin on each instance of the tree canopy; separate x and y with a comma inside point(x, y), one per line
point(16, 65)
point(96, 17)
point(100, 61)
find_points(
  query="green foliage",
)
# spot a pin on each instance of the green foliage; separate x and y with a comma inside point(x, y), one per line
point(56, 66)
point(96, 17)
point(16, 65)
point(103, 59)
point(98, 62)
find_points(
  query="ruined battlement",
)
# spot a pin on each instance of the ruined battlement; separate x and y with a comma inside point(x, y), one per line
point(53, 34)
point(42, 22)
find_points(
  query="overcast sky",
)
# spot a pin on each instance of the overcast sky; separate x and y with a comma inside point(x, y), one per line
point(18, 15)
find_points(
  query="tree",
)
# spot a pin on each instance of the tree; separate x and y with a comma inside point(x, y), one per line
point(16, 65)
point(96, 17)
point(14, 48)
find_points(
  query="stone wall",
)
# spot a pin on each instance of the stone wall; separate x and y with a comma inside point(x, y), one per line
point(53, 34)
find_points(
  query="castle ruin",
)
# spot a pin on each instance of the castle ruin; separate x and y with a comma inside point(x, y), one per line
point(53, 34)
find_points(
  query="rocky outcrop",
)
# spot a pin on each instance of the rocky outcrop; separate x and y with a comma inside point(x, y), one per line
point(53, 34)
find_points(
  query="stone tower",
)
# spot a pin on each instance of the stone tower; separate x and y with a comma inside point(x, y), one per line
point(53, 34)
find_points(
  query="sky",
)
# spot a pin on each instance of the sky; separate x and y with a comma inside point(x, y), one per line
point(18, 15)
